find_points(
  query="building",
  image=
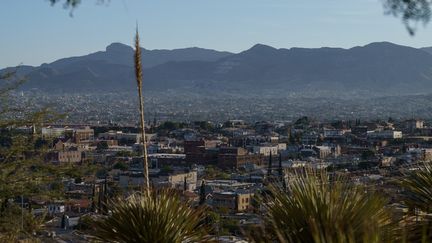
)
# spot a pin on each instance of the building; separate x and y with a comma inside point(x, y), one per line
point(201, 151)
point(385, 134)
point(122, 138)
point(233, 201)
point(228, 185)
point(158, 160)
point(413, 124)
point(56, 208)
point(323, 151)
point(53, 132)
point(177, 180)
point(83, 134)
point(360, 131)
point(129, 178)
point(424, 154)
point(310, 138)
point(234, 157)
point(266, 150)
point(333, 133)
point(71, 155)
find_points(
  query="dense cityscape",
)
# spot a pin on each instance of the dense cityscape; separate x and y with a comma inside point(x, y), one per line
point(120, 108)
point(323, 135)
point(223, 165)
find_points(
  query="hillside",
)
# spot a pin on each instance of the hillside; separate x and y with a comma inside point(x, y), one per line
point(380, 67)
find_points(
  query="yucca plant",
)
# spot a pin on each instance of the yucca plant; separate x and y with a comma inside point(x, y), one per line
point(155, 217)
point(139, 79)
point(314, 209)
point(417, 187)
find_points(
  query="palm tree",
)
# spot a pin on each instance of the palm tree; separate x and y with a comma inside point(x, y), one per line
point(155, 217)
point(139, 79)
point(315, 209)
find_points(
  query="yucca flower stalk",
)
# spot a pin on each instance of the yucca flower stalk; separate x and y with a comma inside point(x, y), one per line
point(139, 79)
point(156, 217)
point(315, 209)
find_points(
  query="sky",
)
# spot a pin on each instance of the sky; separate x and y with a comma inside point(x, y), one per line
point(34, 32)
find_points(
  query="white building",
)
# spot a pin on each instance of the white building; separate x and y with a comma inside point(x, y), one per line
point(130, 138)
point(385, 134)
point(267, 149)
point(53, 132)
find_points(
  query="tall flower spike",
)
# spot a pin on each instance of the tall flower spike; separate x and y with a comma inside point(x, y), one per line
point(139, 79)
point(137, 60)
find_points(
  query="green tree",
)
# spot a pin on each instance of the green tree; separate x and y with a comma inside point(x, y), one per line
point(410, 11)
point(120, 166)
point(103, 145)
point(23, 171)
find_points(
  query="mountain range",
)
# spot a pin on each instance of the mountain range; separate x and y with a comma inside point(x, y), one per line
point(379, 67)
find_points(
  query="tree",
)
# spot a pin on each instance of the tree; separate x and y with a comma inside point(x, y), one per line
point(269, 169)
point(166, 169)
point(411, 12)
point(202, 195)
point(367, 154)
point(67, 3)
point(23, 172)
point(120, 166)
point(102, 146)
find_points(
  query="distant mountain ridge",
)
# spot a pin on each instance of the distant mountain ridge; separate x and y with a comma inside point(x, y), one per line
point(376, 67)
point(118, 53)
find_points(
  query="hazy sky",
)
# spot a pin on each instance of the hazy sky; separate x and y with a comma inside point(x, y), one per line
point(33, 32)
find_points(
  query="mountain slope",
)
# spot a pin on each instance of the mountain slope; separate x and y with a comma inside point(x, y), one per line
point(377, 67)
point(107, 70)
point(380, 67)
